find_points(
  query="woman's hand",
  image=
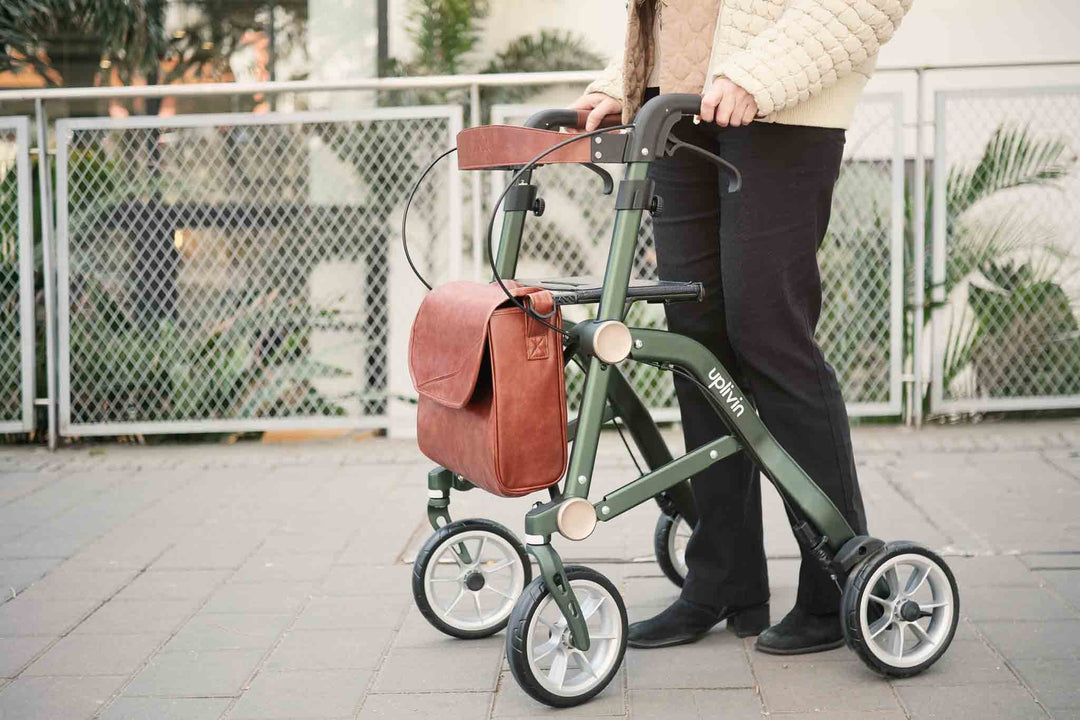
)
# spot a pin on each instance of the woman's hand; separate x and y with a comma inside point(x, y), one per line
point(728, 104)
point(599, 106)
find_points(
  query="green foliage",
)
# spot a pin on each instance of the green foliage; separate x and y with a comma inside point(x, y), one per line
point(445, 34)
point(129, 33)
point(1016, 331)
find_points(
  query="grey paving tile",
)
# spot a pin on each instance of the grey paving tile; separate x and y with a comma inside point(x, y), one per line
point(512, 702)
point(1056, 682)
point(696, 704)
point(136, 617)
point(15, 652)
point(445, 706)
point(283, 567)
point(173, 584)
point(73, 581)
point(417, 632)
point(465, 667)
point(212, 673)
point(330, 649)
point(271, 598)
point(228, 631)
point(17, 574)
point(718, 661)
point(22, 616)
point(825, 687)
point(1050, 640)
point(346, 580)
point(344, 613)
point(91, 655)
point(125, 708)
point(1057, 561)
point(217, 551)
point(991, 571)
point(323, 694)
point(56, 698)
point(1066, 582)
point(992, 702)
point(1014, 603)
point(966, 662)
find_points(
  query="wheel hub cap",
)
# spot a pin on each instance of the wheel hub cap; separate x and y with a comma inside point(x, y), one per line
point(910, 610)
point(474, 581)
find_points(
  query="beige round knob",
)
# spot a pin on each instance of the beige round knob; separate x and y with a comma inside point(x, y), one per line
point(576, 519)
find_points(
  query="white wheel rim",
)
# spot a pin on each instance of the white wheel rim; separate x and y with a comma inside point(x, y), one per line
point(449, 581)
point(894, 638)
point(558, 666)
point(677, 539)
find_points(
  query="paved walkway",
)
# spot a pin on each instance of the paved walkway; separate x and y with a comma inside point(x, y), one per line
point(253, 581)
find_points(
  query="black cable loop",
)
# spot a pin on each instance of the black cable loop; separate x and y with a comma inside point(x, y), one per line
point(405, 215)
point(527, 167)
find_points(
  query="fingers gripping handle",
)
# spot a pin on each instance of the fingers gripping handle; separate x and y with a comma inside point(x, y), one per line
point(567, 118)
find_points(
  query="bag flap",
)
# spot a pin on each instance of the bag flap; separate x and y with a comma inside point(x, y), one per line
point(449, 336)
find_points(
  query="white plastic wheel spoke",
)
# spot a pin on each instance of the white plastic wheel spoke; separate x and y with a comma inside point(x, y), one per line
point(461, 594)
point(476, 601)
point(557, 673)
point(921, 634)
point(588, 613)
point(898, 643)
point(549, 625)
point(880, 626)
point(544, 650)
point(916, 579)
point(931, 606)
point(593, 636)
point(498, 592)
point(880, 601)
point(479, 551)
point(586, 665)
point(893, 579)
point(496, 567)
point(453, 580)
point(456, 553)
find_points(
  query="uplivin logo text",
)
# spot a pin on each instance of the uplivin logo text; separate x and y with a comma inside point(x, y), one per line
point(727, 392)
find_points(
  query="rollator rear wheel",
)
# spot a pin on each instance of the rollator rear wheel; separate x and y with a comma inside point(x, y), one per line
point(900, 609)
point(468, 576)
point(669, 544)
point(538, 648)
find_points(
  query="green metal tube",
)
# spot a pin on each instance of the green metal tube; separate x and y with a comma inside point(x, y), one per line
point(551, 569)
point(747, 427)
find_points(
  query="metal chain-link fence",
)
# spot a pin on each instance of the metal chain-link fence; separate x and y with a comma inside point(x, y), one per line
point(860, 327)
point(236, 272)
point(1006, 250)
point(16, 278)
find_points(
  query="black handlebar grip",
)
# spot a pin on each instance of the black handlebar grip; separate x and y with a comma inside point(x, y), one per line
point(655, 120)
point(553, 119)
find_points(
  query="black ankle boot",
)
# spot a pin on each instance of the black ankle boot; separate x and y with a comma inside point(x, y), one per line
point(686, 622)
point(802, 632)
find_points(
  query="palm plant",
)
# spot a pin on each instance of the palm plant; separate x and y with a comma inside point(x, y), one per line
point(64, 41)
point(1002, 272)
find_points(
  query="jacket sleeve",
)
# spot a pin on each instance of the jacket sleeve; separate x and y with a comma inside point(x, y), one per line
point(610, 80)
point(813, 44)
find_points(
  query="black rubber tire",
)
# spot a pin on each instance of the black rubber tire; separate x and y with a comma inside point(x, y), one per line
point(665, 525)
point(856, 585)
point(516, 638)
point(427, 552)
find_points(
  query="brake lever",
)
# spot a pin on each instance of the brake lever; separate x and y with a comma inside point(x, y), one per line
point(735, 181)
point(609, 184)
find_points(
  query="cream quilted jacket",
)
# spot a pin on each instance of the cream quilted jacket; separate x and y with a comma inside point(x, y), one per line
point(804, 61)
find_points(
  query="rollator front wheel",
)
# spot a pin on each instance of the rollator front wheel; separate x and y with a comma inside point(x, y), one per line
point(468, 576)
point(544, 662)
point(900, 609)
point(669, 545)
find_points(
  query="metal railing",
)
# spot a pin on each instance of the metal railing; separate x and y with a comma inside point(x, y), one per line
point(237, 272)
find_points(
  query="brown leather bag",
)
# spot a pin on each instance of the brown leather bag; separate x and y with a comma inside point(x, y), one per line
point(492, 390)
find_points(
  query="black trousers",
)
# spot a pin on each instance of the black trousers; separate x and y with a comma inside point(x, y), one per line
point(756, 253)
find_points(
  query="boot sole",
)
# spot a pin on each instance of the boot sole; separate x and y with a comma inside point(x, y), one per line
point(646, 645)
point(799, 651)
